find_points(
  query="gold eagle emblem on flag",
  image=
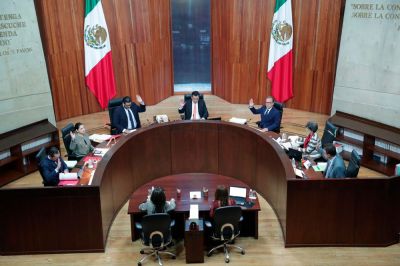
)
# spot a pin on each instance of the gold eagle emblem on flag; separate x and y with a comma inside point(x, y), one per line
point(95, 36)
point(281, 32)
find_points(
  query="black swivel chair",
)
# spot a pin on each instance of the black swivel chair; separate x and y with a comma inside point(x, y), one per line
point(39, 157)
point(67, 140)
point(225, 228)
point(188, 96)
point(329, 133)
point(354, 165)
point(112, 104)
point(279, 107)
point(156, 235)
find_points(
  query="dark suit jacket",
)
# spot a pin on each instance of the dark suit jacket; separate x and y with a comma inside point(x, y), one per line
point(187, 109)
point(338, 169)
point(272, 120)
point(47, 169)
point(120, 120)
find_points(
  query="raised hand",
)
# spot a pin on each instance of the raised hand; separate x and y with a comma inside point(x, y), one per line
point(72, 134)
point(58, 164)
point(251, 102)
point(181, 103)
point(138, 98)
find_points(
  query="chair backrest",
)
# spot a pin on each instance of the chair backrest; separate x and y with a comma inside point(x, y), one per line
point(67, 137)
point(39, 157)
point(188, 96)
point(354, 165)
point(112, 104)
point(226, 222)
point(156, 229)
point(329, 133)
point(279, 107)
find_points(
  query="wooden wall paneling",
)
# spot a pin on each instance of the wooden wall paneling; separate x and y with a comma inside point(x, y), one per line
point(316, 36)
point(140, 38)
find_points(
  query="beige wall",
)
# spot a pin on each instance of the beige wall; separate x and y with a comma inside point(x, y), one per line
point(25, 95)
point(368, 73)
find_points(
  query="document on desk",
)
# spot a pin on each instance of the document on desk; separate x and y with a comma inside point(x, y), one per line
point(99, 137)
point(298, 172)
point(194, 211)
point(68, 176)
point(320, 167)
point(236, 120)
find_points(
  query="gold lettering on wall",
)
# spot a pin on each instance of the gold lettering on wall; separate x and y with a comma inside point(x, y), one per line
point(10, 28)
point(376, 11)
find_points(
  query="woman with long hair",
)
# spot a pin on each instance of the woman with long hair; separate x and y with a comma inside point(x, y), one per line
point(157, 202)
point(221, 199)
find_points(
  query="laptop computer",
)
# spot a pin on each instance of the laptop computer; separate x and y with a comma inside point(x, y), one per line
point(238, 194)
point(293, 153)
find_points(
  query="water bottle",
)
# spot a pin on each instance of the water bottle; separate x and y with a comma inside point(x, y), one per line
point(293, 163)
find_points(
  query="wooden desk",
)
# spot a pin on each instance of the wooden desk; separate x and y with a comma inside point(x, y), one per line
point(194, 241)
point(187, 183)
point(330, 212)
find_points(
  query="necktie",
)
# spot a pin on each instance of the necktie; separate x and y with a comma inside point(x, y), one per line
point(131, 119)
point(194, 111)
point(266, 112)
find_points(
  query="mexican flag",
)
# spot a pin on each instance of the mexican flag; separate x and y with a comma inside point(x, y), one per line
point(99, 74)
point(280, 67)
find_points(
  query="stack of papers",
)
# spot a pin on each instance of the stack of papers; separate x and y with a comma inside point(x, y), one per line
point(236, 120)
point(99, 137)
point(68, 176)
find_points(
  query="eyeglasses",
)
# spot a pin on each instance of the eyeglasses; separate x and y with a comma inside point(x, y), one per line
point(269, 102)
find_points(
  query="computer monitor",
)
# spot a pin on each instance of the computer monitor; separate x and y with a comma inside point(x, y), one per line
point(239, 192)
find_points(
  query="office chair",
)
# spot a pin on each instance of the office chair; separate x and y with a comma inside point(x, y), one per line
point(112, 104)
point(279, 106)
point(226, 229)
point(354, 164)
point(188, 97)
point(329, 133)
point(67, 140)
point(39, 157)
point(156, 235)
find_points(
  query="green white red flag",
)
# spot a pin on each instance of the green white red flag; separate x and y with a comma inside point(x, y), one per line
point(280, 62)
point(99, 73)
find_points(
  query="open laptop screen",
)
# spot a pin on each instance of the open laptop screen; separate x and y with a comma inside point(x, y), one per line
point(237, 192)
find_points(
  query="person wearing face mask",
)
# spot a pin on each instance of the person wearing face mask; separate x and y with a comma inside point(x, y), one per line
point(80, 143)
point(270, 116)
point(195, 108)
point(126, 116)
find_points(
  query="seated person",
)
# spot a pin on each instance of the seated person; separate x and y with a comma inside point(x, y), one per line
point(270, 116)
point(221, 199)
point(157, 203)
point(193, 109)
point(335, 167)
point(126, 117)
point(80, 143)
point(312, 142)
point(51, 166)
